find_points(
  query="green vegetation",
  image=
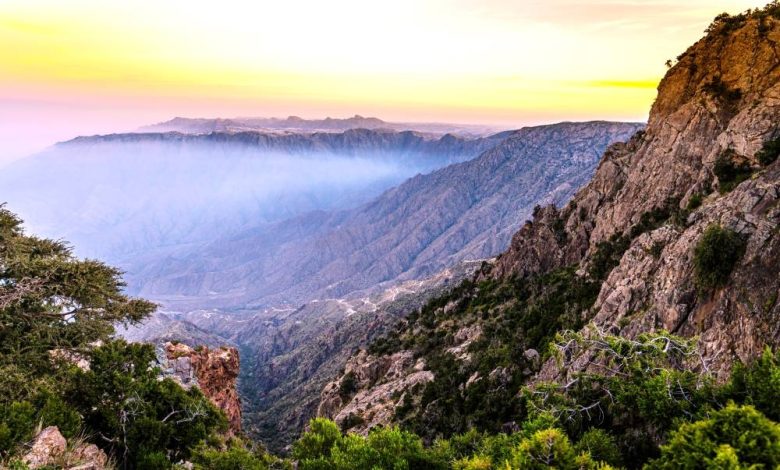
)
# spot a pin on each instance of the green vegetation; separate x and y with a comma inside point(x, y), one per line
point(653, 408)
point(722, 92)
point(56, 310)
point(734, 437)
point(769, 152)
point(715, 256)
point(730, 171)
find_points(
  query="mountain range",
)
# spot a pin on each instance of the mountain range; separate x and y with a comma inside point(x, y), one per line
point(295, 124)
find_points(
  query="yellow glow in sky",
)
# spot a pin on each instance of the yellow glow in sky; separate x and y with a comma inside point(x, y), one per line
point(91, 66)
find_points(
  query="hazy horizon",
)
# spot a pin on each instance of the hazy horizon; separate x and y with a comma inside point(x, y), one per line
point(89, 67)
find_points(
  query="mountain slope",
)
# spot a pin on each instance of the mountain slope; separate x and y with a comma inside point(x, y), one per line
point(677, 231)
point(465, 211)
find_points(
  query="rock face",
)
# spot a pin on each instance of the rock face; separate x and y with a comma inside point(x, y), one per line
point(722, 98)
point(50, 449)
point(87, 457)
point(213, 371)
point(47, 447)
point(371, 389)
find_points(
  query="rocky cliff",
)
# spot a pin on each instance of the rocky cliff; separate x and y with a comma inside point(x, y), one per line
point(719, 105)
point(676, 231)
point(214, 372)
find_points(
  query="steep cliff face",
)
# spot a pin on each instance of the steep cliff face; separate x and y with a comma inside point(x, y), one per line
point(721, 95)
point(214, 372)
point(626, 253)
point(721, 101)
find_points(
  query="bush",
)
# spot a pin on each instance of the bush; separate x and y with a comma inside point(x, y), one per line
point(17, 423)
point(736, 436)
point(758, 384)
point(715, 256)
point(729, 172)
point(600, 445)
point(348, 385)
point(235, 457)
point(769, 152)
point(549, 448)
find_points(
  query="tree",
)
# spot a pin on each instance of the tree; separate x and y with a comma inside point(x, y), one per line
point(549, 448)
point(715, 255)
point(51, 300)
point(734, 437)
point(758, 384)
point(133, 412)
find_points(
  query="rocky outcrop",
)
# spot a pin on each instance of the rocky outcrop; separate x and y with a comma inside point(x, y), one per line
point(214, 372)
point(722, 94)
point(46, 448)
point(721, 98)
point(87, 457)
point(50, 449)
point(371, 389)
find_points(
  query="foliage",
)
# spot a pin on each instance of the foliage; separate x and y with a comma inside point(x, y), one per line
point(121, 396)
point(55, 311)
point(51, 300)
point(730, 171)
point(722, 92)
point(769, 152)
point(715, 255)
point(235, 455)
point(757, 384)
point(638, 389)
point(348, 385)
point(324, 447)
point(601, 446)
point(738, 436)
point(549, 448)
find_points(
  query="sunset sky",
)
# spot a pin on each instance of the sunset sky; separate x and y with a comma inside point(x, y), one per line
point(95, 66)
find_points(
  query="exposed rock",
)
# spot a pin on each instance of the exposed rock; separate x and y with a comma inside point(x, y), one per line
point(213, 371)
point(692, 122)
point(382, 383)
point(87, 457)
point(47, 447)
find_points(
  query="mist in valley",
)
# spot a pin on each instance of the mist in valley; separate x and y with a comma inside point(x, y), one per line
point(137, 199)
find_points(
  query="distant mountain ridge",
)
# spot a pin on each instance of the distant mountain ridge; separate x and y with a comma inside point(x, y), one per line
point(296, 124)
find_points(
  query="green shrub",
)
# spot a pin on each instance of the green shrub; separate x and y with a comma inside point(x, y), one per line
point(715, 255)
point(17, 423)
point(348, 385)
point(738, 436)
point(769, 152)
point(549, 448)
point(236, 457)
point(601, 446)
point(694, 202)
point(758, 384)
point(730, 173)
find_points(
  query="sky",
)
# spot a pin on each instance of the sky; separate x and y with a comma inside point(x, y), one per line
point(83, 67)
